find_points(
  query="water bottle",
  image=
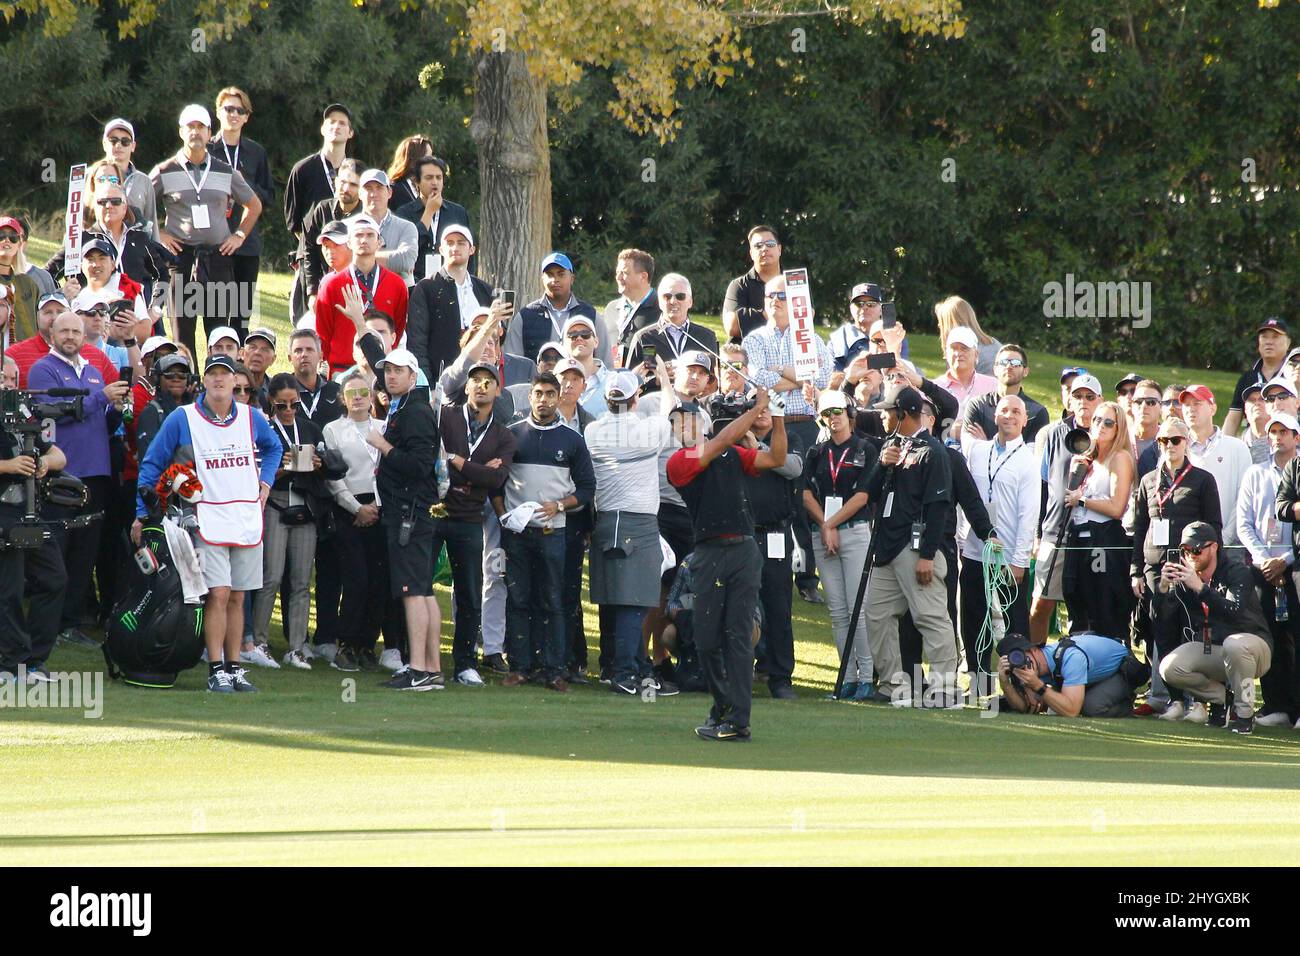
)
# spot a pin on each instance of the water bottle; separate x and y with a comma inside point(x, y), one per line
point(1280, 610)
point(443, 476)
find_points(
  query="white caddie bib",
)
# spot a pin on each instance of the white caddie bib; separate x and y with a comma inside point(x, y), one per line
point(225, 459)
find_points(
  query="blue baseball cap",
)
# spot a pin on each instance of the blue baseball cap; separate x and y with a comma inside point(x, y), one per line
point(557, 259)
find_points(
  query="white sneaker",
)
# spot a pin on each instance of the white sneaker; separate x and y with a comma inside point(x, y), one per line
point(1175, 711)
point(470, 678)
point(259, 657)
point(298, 660)
point(326, 652)
point(1275, 719)
point(391, 659)
point(1197, 714)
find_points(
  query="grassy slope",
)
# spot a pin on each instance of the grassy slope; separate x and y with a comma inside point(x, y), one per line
point(297, 775)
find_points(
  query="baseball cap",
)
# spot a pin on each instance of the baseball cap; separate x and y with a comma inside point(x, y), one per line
point(153, 343)
point(1196, 391)
point(169, 362)
point(479, 311)
point(12, 223)
point(483, 367)
point(1276, 324)
point(831, 398)
point(569, 365)
point(557, 259)
point(401, 357)
point(1282, 418)
point(335, 108)
point(1171, 427)
point(901, 398)
point(1086, 381)
point(1199, 533)
point(1291, 356)
point(335, 231)
point(99, 245)
point(219, 361)
point(87, 298)
point(375, 176)
point(118, 123)
point(687, 359)
point(457, 227)
point(576, 320)
point(265, 334)
point(1072, 370)
point(962, 336)
point(48, 297)
point(1253, 387)
point(1013, 642)
point(222, 332)
point(550, 347)
point(1281, 383)
point(869, 289)
point(362, 221)
point(622, 386)
point(194, 113)
point(1132, 377)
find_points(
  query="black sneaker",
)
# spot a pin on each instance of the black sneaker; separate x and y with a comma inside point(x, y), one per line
point(666, 671)
point(74, 637)
point(1218, 716)
point(426, 680)
point(812, 595)
point(400, 681)
point(1242, 725)
point(662, 688)
point(605, 676)
point(724, 731)
point(783, 692)
point(344, 661)
point(627, 685)
point(367, 660)
point(239, 680)
point(496, 663)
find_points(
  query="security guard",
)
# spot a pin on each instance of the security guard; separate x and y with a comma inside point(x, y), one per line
point(912, 484)
point(772, 499)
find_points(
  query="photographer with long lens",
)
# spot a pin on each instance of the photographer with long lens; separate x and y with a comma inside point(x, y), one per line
point(26, 642)
point(1084, 675)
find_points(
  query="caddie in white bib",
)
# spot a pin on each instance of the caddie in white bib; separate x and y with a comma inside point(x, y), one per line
point(225, 460)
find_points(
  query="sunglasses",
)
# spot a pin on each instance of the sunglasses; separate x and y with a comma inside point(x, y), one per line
point(110, 201)
point(582, 335)
point(282, 406)
point(1169, 403)
point(865, 303)
point(1276, 396)
point(178, 376)
point(119, 140)
point(237, 110)
point(243, 390)
point(1010, 363)
point(357, 393)
point(1146, 401)
point(832, 412)
point(1194, 551)
point(10, 237)
point(765, 244)
point(1105, 422)
point(778, 296)
point(679, 296)
point(94, 310)
point(1175, 440)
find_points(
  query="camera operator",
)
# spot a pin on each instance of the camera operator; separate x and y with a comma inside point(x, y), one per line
point(912, 484)
point(86, 445)
point(1083, 675)
point(709, 476)
point(27, 643)
point(1210, 598)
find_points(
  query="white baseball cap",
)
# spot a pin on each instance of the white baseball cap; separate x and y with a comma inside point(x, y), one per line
point(194, 113)
point(1279, 382)
point(222, 332)
point(400, 357)
point(375, 176)
point(119, 123)
point(1086, 381)
point(457, 227)
point(702, 359)
point(964, 336)
point(621, 386)
point(831, 398)
point(549, 346)
point(153, 343)
point(1282, 418)
point(361, 221)
point(569, 365)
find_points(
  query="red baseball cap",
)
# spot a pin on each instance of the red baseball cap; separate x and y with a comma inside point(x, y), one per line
point(1196, 391)
point(14, 224)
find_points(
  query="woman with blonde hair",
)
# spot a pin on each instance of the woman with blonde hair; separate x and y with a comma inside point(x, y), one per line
point(1095, 584)
point(401, 171)
point(955, 311)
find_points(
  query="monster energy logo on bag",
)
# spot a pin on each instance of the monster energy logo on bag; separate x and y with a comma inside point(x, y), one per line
point(129, 621)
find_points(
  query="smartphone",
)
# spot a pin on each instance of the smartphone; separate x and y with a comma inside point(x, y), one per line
point(649, 353)
point(1173, 556)
point(124, 373)
point(507, 296)
point(882, 360)
point(888, 315)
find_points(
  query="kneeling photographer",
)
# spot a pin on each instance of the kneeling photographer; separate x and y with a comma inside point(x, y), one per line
point(1226, 641)
point(1083, 675)
point(27, 550)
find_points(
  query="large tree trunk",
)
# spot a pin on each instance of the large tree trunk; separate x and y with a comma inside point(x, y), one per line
point(514, 159)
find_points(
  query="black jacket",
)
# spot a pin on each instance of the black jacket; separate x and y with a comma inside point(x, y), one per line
point(1195, 499)
point(966, 495)
point(869, 422)
point(1232, 601)
point(1288, 493)
point(471, 484)
point(308, 184)
point(645, 315)
point(405, 480)
point(146, 261)
point(659, 336)
point(433, 321)
point(451, 214)
point(250, 159)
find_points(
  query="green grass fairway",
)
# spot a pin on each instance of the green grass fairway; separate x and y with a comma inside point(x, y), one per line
point(301, 774)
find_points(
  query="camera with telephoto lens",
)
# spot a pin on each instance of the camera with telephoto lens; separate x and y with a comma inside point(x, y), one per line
point(24, 414)
point(725, 409)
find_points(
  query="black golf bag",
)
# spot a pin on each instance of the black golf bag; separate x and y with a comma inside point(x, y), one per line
point(152, 634)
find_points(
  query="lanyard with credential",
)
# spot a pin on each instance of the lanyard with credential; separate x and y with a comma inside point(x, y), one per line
point(1162, 499)
point(285, 435)
point(329, 171)
point(198, 186)
point(233, 163)
point(835, 468)
point(315, 400)
point(469, 431)
point(366, 293)
point(993, 475)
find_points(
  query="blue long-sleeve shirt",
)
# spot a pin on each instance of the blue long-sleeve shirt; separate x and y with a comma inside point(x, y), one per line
point(84, 442)
point(174, 443)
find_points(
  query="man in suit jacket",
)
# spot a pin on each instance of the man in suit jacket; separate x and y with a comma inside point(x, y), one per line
point(636, 307)
point(432, 213)
point(543, 320)
point(443, 306)
point(675, 333)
